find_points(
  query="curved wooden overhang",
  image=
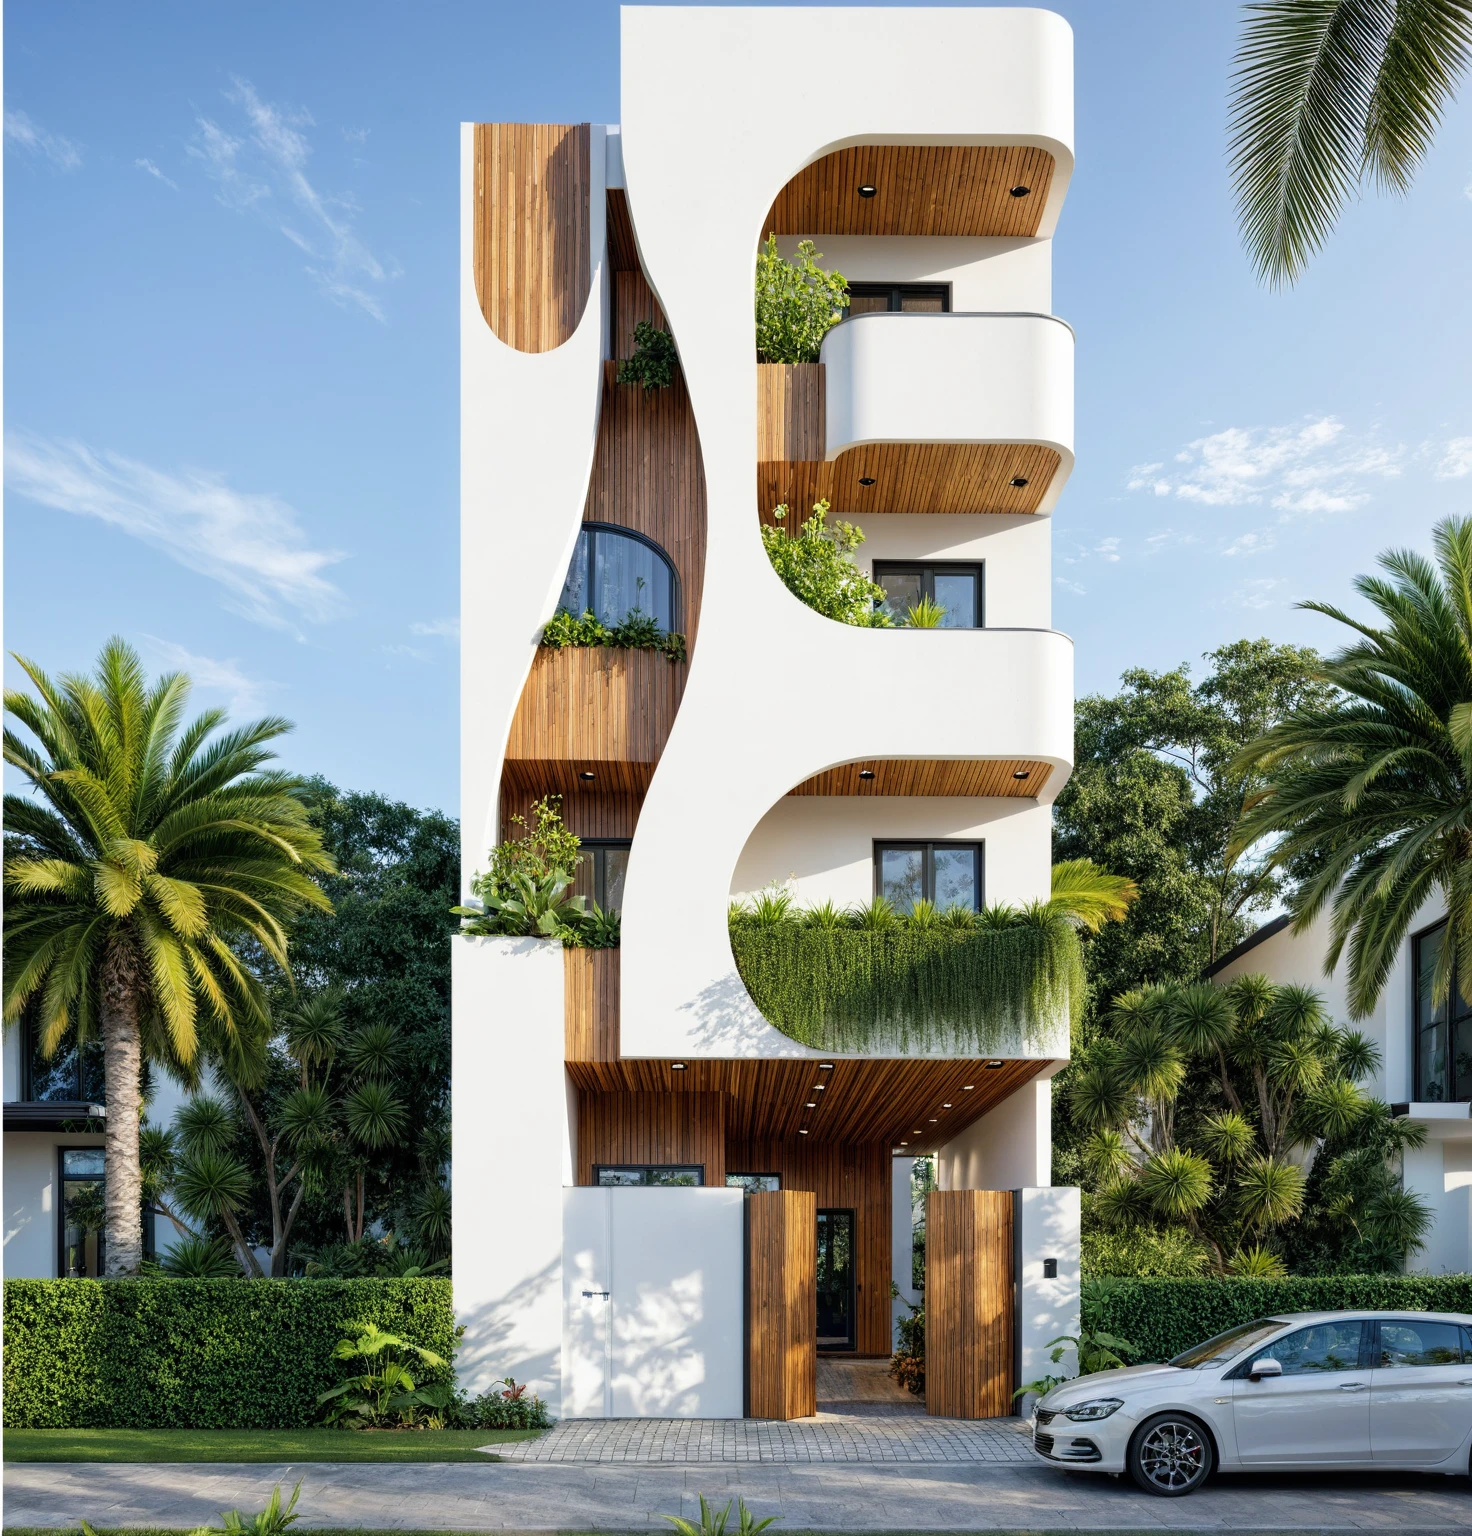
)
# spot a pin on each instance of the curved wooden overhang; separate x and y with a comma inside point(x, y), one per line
point(1009, 777)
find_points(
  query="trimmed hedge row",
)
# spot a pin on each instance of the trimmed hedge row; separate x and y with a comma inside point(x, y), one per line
point(196, 1354)
point(1162, 1317)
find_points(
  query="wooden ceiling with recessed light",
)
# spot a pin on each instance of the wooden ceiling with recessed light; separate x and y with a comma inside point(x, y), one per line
point(932, 776)
point(919, 189)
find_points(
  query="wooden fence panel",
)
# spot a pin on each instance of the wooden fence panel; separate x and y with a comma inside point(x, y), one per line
point(969, 1332)
point(782, 1304)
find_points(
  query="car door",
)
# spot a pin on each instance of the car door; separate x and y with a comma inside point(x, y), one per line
point(1318, 1410)
point(1420, 1390)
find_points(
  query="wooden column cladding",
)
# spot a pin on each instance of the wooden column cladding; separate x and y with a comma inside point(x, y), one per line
point(840, 1176)
point(968, 1304)
point(640, 1128)
point(782, 1304)
point(531, 244)
point(590, 994)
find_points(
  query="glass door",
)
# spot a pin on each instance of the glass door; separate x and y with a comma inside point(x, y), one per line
point(836, 1280)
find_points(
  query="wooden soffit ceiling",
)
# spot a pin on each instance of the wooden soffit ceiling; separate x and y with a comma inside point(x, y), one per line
point(921, 1103)
point(932, 776)
point(919, 189)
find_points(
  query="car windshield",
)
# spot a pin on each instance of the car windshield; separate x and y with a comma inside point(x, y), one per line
point(1226, 1346)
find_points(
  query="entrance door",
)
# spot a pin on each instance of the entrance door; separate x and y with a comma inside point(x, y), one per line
point(836, 1280)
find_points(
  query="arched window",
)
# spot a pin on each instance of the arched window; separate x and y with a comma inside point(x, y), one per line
point(615, 572)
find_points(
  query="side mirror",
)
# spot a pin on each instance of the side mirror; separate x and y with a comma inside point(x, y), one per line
point(1265, 1367)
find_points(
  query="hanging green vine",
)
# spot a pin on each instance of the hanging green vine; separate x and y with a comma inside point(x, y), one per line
point(913, 986)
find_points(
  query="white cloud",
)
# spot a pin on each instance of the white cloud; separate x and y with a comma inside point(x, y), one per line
point(1258, 594)
point(449, 629)
point(1070, 586)
point(1313, 466)
point(251, 543)
point(1250, 544)
point(158, 175)
point(1456, 460)
point(243, 694)
point(265, 169)
point(27, 134)
point(1107, 549)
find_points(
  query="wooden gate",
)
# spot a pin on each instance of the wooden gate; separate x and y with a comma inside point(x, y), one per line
point(782, 1304)
point(968, 1304)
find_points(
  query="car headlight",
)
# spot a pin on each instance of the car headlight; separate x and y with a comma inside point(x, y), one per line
point(1095, 1408)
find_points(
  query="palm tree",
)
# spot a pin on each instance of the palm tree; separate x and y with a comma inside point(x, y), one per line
point(1370, 795)
point(151, 860)
point(1329, 92)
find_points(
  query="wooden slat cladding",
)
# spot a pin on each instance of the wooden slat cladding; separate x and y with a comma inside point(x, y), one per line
point(968, 1304)
point(595, 709)
point(623, 253)
point(841, 1177)
point(633, 301)
point(791, 412)
point(913, 477)
point(931, 776)
point(586, 810)
point(920, 189)
point(880, 1101)
point(782, 1304)
point(665, 1128)
point(648, 476)
point(531, 248)
point(590, 1004)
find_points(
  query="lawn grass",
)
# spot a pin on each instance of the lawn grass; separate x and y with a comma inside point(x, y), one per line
point(244, 1445)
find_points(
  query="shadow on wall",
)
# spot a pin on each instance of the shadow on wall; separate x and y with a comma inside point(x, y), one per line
point(725, 1018)
point(658, 1370)
point(489, 1348)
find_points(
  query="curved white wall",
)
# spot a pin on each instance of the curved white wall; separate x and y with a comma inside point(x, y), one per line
point(710, 134)
point(900, 378)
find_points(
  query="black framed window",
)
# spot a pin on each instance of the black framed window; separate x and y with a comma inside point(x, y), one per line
point(899, 298)
point(948, 874)
point(616, 572)
point(72, 1075)
point(1443, 1031)
point(836, 1281)
point(754, 1183)
point(958, 588)
point(601, 871)
point(80, 1225)
point(648, 1176)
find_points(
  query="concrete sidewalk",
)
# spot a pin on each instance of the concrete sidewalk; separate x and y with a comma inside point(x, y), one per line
point(852, 1497)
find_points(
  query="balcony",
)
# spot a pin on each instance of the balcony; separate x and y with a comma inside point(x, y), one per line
point(950, 413)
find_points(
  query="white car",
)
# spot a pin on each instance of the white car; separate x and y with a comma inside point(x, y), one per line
point(1310, 1390)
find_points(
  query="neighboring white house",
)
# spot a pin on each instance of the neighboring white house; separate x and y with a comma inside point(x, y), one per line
point(1426, 1061)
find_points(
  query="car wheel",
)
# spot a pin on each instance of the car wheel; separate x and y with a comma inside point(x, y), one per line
point(1171, 1455)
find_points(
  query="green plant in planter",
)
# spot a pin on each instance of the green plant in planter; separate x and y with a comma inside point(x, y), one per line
point(924, 615)
point(654, 361)
point(635, 632)
point(797, 303)
point(565, 629)
point(526, 906)
point(817, 566)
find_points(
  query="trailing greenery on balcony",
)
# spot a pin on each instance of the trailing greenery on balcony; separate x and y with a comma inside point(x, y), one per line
point(963, 982)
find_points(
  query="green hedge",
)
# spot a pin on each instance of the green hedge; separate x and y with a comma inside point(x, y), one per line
point(907, 988)
point(196, 1354)
point(1162, 1317)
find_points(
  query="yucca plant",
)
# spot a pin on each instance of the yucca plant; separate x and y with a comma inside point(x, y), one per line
point(1257, 1263)
point(200, 1258)
point(150, 856)
point(926, 614)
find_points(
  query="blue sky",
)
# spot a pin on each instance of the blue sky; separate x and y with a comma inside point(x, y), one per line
point(231, 362)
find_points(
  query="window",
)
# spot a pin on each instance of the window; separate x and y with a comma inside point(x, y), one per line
point(601, 871)
point(1406, 1344)
point(648, 1176)
point(1324, 1347)
point(616, 573)
point(1222, 1347)
point(957, 588)
point(1444, 1032)
point(948, 874)
point(899, 298)
point(81, 1227)
point(754, 1183)
point(73, 1075)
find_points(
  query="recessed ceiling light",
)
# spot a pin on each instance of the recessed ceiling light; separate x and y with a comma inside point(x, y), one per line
point(801, 1132)
point(677, 1066)
point(825, 1066)
point(819, 1087)
point(1020, 191)
point(1022, 773)
point(994, 1064)
point(1019, 481)
point(934, 1121)
point(904, 1143)
point(868, 189)
point(587, 775)
point(811, 1104)
point(967, 1087)
point(914, 1133)
point(945, 1106)
point(866, 479)
point(866, 773)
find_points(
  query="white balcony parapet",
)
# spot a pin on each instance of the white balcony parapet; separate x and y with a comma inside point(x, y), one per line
point(952, 378)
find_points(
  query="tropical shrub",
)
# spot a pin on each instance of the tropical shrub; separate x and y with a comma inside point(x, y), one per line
point(654, 361)
point(907, 1364)
point(797, 303)
point(816, 565)
point(713, 1522)
point(1141, 1251)
point(270, 1521)
point(1166, 1316)
point(507, 1405)
point(635, 632)
point(198, 1354)
point(384, 1392)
